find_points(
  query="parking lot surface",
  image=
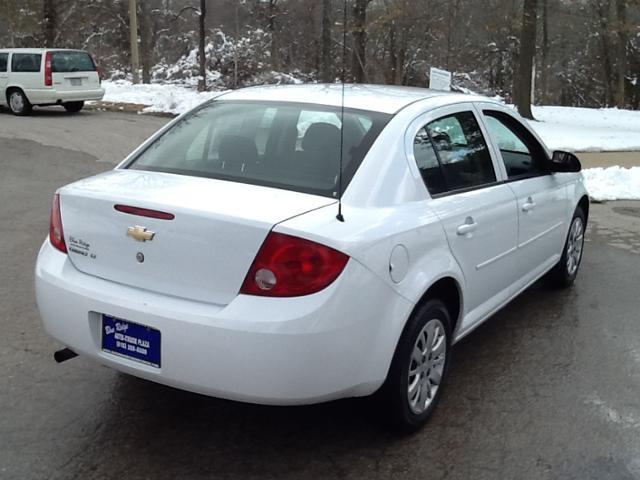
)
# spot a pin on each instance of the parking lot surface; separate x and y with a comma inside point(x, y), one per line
point(546, 389)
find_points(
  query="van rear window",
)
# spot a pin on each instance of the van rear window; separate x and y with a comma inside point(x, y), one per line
point(66, 62)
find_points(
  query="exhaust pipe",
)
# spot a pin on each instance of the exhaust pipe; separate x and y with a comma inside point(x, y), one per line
point(64, 355)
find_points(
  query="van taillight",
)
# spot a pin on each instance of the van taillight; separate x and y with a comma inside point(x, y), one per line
point(56, 234)
point(48, 77)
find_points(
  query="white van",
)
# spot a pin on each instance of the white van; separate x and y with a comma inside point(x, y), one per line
point(39, 76)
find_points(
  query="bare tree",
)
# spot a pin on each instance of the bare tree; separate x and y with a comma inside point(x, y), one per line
point(522, 85)
point(621, 11)
point(49, 18)
point(326, 73)
point(359, 29)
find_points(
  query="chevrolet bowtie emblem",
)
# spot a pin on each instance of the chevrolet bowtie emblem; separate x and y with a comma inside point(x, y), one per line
point(140, 234)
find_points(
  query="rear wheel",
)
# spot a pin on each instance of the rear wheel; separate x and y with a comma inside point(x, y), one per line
point(566, 271)
point(73, 107)
point(18, 102)
point(414, 385)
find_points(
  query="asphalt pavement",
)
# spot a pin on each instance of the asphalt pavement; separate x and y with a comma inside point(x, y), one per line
point(547, 389)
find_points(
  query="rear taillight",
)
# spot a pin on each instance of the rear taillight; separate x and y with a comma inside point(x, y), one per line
point(288, 266)
point(56, 234)
point(48, 77)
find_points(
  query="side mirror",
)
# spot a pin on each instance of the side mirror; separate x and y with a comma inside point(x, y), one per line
point(564, 162)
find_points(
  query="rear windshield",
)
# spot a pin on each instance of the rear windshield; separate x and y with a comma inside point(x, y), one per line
point(65, 62)
point(284, 145)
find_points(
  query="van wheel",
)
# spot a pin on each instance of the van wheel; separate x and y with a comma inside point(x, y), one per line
point(73, 107)
point(419, 367)
point(18, 103)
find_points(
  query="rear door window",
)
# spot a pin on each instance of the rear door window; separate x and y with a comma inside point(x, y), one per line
point(26, 62)
point(3, 61)
point(67, 62)
point(452, 154)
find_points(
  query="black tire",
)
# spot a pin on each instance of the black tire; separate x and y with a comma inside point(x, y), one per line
point(21, 105)
point(561, 275)
point(394, 397)
point(73, 107)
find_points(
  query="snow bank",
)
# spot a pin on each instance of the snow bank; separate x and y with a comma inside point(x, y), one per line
point(612, 183)
point(158, 98)
point(587, 129)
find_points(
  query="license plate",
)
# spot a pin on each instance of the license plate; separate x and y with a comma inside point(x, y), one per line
point(76, 82)
point(131, 340)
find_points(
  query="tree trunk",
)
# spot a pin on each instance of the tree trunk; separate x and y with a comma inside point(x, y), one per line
point(202, 82)
point(522, 93)
point(146, 33)
point(393, 55)
point(621, 11)
point(544, 64)
point(359, 61)
point(49, 23)
point(275, 47)
point(602, 11)
point(325, 55)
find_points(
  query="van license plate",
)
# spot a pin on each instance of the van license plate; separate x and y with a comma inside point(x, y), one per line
point(76, 82)
point(131, 340)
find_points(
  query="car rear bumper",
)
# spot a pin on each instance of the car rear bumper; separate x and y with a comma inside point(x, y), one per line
point(336, 343)
point(52, 96)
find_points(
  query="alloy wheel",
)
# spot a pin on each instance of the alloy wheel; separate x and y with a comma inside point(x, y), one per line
point(575, 243)
point(426, 366)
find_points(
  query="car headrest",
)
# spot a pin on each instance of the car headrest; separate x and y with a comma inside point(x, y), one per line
point(321, 136)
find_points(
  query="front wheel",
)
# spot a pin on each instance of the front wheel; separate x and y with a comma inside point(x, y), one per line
point(566, 271)
point(419, 367)
point(73, 107)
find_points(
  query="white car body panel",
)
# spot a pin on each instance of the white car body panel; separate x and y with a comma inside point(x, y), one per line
point(62, 90)
point(338, 342)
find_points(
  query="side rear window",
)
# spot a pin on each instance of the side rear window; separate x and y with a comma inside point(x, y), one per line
point(3, 61)
point(66, 62)
point(452, 154)
point(26, 62)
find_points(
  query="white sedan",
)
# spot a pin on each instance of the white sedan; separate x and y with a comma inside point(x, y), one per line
point(242, 253)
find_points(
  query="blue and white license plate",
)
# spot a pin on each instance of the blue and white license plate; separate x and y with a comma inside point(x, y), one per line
point(131, 340)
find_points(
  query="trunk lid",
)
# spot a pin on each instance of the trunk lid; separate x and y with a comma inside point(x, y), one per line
point(202, 254)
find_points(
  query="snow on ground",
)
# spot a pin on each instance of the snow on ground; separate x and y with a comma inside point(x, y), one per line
point(561, 128)
point(588, 129)
point(612, 183)
point(159, 98)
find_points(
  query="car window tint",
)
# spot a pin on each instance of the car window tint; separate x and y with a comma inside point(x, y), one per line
point(461, 151)
point(283, 145)
point(26, 62)
point(428, 164)
point(3, 61)
point(521, 153)
point(66, 62)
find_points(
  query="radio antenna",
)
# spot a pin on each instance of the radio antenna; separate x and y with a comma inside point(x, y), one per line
point(340, 217)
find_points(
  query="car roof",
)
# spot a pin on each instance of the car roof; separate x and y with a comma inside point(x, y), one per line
point(379, 98)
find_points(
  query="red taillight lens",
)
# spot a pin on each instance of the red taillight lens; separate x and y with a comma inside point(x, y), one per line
point(48, 77)
point(289, 266)
point(56, 234)
point(144, 212)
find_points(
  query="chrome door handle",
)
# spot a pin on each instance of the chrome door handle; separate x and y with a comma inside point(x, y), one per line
point(528, 205)
point(467, 227)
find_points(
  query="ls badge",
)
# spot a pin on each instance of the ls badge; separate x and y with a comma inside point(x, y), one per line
point(141, 234)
